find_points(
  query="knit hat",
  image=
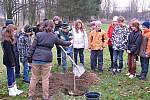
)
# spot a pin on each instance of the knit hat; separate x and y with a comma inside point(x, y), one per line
point(65, 25)
point(28, 28)
point(146, 24)
point(8, 21)
point(115, 18)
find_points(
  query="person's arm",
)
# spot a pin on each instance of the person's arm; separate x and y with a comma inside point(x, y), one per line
point(85, 40)
point(90, 40)
point(105, 39)
point(9, 52)
point(32, 49)
point(62, 42)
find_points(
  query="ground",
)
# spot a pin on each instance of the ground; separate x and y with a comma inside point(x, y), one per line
point(118, 87)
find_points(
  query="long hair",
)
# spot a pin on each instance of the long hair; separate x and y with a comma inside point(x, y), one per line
point(76, 26)
point(9, 33)
point(136, 24)
point(49, 26)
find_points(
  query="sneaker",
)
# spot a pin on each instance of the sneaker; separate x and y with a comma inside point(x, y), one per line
point(128, 74)
point(142, 77)
point(114, 71)
point(132, 76)
point(118, 70)
point(26, 81)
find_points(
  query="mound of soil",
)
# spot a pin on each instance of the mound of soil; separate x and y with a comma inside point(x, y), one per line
point(65, 83)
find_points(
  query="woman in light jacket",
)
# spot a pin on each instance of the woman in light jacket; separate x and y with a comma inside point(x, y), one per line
point(80, 41)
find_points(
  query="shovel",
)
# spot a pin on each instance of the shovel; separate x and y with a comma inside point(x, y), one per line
point(78, 70)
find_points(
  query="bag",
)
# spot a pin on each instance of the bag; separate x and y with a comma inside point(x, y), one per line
point(143, 47)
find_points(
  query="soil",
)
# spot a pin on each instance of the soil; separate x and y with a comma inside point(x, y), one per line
point(64, 82)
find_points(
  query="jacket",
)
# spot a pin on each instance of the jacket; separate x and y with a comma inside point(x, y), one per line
point(23, 44)
point(42, 46)
point(146, 33)
point(97, 40)
point(80, 39)
point(9, 55)
point(109, 34)
point(120, 37)
point(134, 42)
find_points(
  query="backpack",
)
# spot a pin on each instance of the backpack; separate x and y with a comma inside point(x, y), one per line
point(143, 47)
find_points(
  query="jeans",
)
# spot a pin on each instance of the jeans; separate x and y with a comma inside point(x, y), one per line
point(58, 54)
point(96, 55)
point(26, 71)
point(144, 65)
point(64, 62)
point(10, 76)
point(116, 54)
point(111, 55)
point(81, 55)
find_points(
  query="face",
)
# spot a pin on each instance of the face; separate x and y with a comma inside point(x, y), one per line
point(144, 28)
point(115, 22)
point(56, 22)
point(120, 23)
point(79, 25)
point(98, 27)
point(65, 30)
point(134, 28)
point(29, 33)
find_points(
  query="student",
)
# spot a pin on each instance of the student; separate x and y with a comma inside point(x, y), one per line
point(24, 43)
point(119, 43)
point(80, 41)
point(97, 42)
point(40, 55)
point(66, 36)
point(109, 34)
point(58, 23)
point(9, 59)
point(144, 59)
point(133, 48)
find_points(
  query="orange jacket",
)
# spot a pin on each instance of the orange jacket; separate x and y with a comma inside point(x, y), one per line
point(147, 34)
point(97, 40)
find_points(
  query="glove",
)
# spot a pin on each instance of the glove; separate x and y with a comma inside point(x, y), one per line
point(29, 60)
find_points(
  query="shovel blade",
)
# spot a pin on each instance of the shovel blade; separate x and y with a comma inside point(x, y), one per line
point(78, 70)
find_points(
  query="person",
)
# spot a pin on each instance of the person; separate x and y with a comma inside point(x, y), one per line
point(133, 48)
point(144, 58)
point(9, 59)
point(58, 23)
point(24, 43)
point(66, 36)
point(40, 55)
point(97, 42)
point(109, 33)
point(80, 41)
point(119, 43)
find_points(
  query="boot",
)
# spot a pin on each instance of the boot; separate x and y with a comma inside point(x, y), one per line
point(18, 92)
point(12, 92)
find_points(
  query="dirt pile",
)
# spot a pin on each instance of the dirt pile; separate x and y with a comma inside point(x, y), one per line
point(65, 83)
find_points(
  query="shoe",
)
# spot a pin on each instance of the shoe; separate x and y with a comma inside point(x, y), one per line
point(26, 81)
point(132, 76)
point(12, 92)
point(18, 76)
point(142, 77)
point(128, 74)
point(114, 71)
point(30, 98)
point(118, 70)
point(100, 71)
point(109, 69)
point(18, 92)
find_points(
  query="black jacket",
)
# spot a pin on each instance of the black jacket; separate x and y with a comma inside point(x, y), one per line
point(42, 46)
point(134, 42)
point(9, 55)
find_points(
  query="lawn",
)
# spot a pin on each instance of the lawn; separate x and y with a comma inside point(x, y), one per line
point(118, 87)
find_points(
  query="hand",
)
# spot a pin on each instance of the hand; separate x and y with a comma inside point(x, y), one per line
point(128, 51)
point(71, 41)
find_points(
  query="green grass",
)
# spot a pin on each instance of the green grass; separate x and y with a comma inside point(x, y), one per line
point(111, 87)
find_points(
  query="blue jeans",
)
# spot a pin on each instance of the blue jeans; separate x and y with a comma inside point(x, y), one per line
point(64, 62)
point(96, 55)
point(26, 71)
point(144, 65)
point(10, 76)
point(81, 55)
point(116, 54)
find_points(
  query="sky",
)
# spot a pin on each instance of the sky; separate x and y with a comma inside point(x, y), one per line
point(122, 4)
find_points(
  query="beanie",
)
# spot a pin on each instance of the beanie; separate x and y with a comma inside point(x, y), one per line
point(8, 21)
point(146, 24)
point(115, 18)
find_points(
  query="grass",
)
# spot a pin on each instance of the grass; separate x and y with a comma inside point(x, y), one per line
point(118, 87)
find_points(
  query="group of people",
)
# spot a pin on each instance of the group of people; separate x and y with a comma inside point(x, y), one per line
point(36, 56)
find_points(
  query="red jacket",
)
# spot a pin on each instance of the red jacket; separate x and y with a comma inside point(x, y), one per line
point(109, 34)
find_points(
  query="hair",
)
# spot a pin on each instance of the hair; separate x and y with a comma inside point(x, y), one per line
point(76, 26)
point(121, 18)
point(8, 33)
point(48, 26)
point(136, 24)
